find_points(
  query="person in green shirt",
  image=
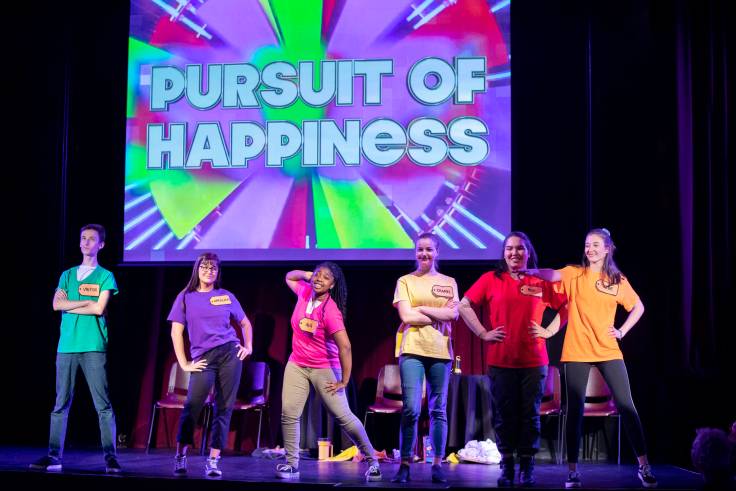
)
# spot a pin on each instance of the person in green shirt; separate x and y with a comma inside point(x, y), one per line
point(82, 296)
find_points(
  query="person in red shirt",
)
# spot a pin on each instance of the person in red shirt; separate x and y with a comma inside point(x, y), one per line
point(513, 304)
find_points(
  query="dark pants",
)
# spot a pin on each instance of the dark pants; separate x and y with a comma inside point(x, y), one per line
point(94, 367)
point(516, 395)
point(223, 371)
point(413, 371)
point(576, 381)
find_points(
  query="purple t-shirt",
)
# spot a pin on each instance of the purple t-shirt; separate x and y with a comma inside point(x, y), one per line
point(207, 315)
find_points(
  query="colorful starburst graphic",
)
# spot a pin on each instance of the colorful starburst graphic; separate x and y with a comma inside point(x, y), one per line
point(353, 210)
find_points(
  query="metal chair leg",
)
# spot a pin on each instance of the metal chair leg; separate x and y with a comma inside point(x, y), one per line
point(563, 436)
point(619, 440)
point(150, 428)
point(166, 427)
point(260, 421)
point(365, 422)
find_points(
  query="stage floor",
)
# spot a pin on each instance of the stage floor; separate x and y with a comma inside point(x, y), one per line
point(86, 470)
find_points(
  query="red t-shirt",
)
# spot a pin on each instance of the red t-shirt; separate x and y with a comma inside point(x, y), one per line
point(514, 304)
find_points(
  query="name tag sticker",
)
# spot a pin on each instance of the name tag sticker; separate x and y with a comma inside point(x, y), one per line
point(89, 290)
point(531, 291)
point(221, 300)
point(442, 291)
point(308, 325)
point(610, 289)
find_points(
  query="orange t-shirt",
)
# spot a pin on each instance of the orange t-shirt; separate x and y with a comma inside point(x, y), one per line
point(591, 311)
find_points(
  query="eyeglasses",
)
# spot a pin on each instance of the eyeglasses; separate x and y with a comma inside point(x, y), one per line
point(209, 269)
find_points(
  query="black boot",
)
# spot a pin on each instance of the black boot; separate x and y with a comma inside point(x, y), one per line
point(506, 479)
point(402, 475)
point(526, 470)
point(438, 475)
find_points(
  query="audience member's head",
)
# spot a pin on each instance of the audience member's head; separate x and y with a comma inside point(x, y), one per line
point(711, 455)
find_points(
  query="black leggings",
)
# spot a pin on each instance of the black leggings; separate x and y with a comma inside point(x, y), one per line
point(576, 380)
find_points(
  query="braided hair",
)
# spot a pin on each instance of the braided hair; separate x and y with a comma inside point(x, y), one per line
point(339, 291)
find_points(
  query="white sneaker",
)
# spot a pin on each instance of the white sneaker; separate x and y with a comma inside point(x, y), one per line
point(285, 471)
point(210, 467)
point(373, 473)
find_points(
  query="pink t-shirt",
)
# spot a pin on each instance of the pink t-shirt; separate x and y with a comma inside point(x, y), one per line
point(315, 349)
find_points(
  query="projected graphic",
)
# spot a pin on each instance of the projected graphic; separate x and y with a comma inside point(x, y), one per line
point(284, 130)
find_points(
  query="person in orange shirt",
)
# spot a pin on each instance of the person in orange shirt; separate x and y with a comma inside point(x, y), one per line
point(594, 290)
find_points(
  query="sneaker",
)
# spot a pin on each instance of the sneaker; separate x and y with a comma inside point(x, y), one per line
point(285, 471)
point(646, 477)
point(573, 480)
point(210, 467)
point(180, 465)
point(112, 466)
point(506, 479)
point(526, 470)
point(438, 475)
point(402, 475)
point(47, 463)
point(373, 473)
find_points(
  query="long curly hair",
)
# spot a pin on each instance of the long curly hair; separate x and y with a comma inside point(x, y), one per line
point(339, 292)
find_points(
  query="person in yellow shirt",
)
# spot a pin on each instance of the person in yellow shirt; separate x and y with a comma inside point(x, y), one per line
point(594, 290)
point(427, 302)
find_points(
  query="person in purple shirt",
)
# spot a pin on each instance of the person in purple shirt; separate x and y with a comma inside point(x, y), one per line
point(206, 311)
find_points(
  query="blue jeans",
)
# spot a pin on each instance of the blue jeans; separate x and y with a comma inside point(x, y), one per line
point(223, 371)
point(94, 367)
point(517, 395)
point(413, 370)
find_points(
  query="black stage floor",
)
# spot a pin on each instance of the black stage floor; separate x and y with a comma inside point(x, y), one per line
point(85, 470)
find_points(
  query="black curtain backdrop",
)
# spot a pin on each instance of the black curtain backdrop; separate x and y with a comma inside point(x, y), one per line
point(620, 119)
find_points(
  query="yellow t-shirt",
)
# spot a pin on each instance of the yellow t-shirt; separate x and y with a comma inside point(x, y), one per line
point(432, 340)
point(592, 310)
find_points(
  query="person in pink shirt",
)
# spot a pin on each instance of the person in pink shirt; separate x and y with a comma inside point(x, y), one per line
point(321, 357)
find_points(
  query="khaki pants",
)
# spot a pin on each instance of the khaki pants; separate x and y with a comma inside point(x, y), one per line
point(293, 398)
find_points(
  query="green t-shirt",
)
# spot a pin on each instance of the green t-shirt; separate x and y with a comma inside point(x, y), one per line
point(82, 333)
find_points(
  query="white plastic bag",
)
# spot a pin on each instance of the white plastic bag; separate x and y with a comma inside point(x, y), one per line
point(484, 452)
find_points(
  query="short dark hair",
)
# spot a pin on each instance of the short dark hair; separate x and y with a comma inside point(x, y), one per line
point(97, 227)
point(711, 454)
